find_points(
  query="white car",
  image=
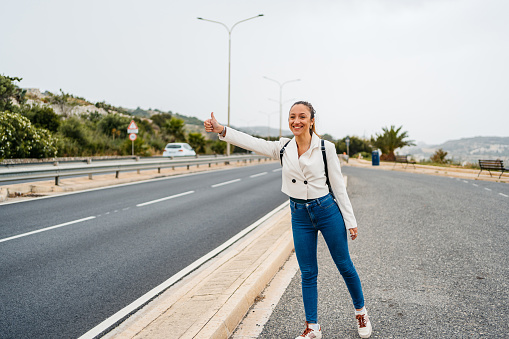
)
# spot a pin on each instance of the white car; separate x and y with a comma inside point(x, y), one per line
point(178, 149)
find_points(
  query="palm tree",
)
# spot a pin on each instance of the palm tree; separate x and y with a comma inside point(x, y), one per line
point(390, 140)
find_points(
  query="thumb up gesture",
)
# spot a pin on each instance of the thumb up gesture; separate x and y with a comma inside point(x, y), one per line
point(211, 125)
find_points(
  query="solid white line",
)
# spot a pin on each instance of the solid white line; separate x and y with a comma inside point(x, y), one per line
point(225, 183)
point(257, 175)
point(47, 229)
point(504, 195)
point(487, 189)
point(111, 321)
point(163, 199)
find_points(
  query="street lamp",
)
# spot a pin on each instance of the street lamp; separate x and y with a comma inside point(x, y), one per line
point(281, 100)
point(229, 61)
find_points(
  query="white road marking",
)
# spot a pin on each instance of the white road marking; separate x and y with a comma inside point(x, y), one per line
point(257, 175)
point(487, 189)
point(225, 183)
point(504, 195)
point(138, 303)
point(466, 182)
point(163, 199)
point(47, 229)
point(475, 185)
point(277, 169)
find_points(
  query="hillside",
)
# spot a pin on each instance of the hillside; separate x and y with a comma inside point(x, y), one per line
point(465, 149)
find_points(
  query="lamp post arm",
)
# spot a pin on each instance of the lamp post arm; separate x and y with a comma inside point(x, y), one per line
point(254, 17)
point(216, 22)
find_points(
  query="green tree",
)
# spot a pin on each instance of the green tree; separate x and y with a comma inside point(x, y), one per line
point(197, 141)
point(390, 140)
point(161, 119)
point(74, 129)
point(20, 139)
point(8, 92)
point(114, 121)
point(218, 147)
point(43, 117)
point(357, 145)
point(175, 129)
point(439, 156)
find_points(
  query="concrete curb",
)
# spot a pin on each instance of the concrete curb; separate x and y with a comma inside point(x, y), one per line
point(212, 302)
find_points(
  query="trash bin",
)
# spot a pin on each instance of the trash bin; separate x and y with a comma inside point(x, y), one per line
point(375, 158)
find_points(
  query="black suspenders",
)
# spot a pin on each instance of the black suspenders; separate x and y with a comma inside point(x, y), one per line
point(282, 151)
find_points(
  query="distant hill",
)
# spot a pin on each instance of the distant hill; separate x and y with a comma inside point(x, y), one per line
point(465, 149)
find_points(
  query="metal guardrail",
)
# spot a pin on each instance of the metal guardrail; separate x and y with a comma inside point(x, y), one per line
point(57, 170)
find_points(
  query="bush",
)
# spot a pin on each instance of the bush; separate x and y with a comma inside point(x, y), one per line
point(218, 147)
point(197, 141)
point(20, 139)
point(439, 156)
point(43, 117)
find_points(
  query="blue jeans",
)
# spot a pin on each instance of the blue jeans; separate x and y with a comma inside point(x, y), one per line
point(322, 215)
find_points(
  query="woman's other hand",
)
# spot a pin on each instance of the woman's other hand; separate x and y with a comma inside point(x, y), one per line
point(211, 125)
point(353, 233)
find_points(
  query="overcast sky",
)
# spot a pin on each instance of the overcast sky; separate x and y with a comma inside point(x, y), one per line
point(437, 67)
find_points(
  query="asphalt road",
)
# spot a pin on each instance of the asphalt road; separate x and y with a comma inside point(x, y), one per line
point(124, 241)
point(432, 256)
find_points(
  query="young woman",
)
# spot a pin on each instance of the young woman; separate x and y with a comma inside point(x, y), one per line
point(313, 206)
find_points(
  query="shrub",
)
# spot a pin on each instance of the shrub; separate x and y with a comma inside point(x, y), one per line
point(439, 156)
point(20, 139)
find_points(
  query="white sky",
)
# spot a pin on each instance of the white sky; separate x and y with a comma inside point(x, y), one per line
point(437, 67)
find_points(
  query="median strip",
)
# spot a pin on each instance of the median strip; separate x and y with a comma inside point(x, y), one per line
point(225, 183)
point(163, 199)
point(47, 229)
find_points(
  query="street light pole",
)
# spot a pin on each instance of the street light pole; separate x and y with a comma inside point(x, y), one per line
point(229, 30)
point(281, 101)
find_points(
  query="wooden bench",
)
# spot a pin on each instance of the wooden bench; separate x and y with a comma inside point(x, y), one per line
point(492, 165)
point(404, 160)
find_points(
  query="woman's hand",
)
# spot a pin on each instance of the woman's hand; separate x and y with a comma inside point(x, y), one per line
point(211, 125)
point(353, 233)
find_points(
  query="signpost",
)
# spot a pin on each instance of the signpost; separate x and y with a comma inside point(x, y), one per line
point(132, 130)
point(347, 141)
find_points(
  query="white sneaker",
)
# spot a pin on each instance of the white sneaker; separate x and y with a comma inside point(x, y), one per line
point(363, 324)
point(309, 333)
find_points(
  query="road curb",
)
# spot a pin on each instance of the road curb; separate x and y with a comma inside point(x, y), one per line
point(212, 302)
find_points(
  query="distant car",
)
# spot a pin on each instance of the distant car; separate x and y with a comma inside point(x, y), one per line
point(178, 149)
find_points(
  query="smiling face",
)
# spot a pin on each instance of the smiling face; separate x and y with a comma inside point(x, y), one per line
point(300, 120)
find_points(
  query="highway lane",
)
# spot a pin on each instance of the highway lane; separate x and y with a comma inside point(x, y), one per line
point(61, 282)
point(431, 255)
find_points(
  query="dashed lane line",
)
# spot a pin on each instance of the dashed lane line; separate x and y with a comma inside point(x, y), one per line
point(165, 198)
point(277, 170)
point(47, 229)
point(504, 195)
point(487, 189)
point(225, 183)
point(257, 175)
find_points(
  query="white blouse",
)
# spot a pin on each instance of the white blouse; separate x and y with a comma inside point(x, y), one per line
point(302, 177)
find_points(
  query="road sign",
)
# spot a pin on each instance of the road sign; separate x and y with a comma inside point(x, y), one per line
point(132, 136)
point(132, 128)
